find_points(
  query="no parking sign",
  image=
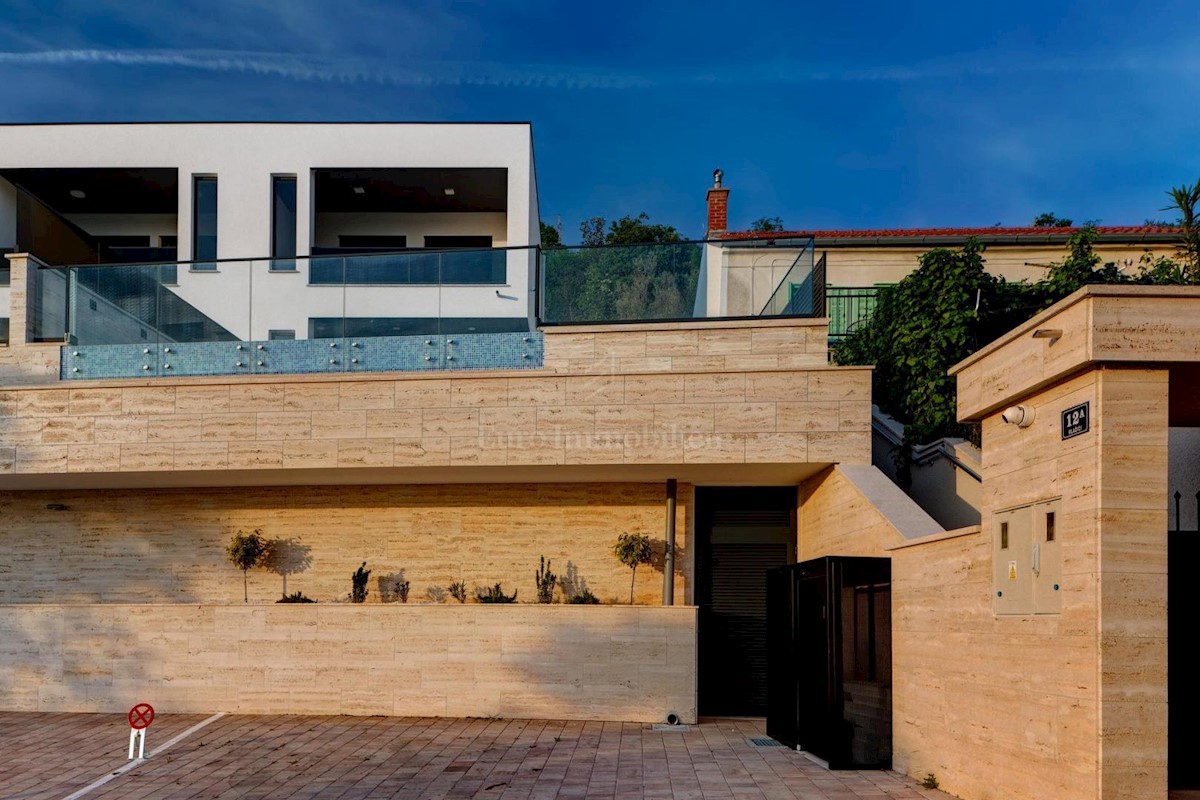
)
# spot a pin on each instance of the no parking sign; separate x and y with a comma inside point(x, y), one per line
point(140, 717)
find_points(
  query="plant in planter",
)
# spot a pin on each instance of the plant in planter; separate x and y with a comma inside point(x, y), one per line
point(393, 588)
point(246, 551)
point(435, 594)
point(295, 597)
point(494, 594)
point(458, 590)
point(545, 582)
point(584, 598)
point(358, 584)
point(633, 550)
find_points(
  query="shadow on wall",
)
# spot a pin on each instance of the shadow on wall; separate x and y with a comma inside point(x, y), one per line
point(83, 657)
point(287, 557)
point(168, 545)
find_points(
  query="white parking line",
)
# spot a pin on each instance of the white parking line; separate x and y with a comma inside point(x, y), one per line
point(122, 770)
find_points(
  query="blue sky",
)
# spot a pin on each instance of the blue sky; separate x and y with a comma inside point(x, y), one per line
point(828, 115)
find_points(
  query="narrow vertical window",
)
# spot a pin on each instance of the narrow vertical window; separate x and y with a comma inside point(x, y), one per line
point(1049, 526)
point(283, 223)
point(1003, 535)
point(204, 223)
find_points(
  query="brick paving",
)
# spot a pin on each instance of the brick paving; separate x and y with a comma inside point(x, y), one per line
point(49, 756)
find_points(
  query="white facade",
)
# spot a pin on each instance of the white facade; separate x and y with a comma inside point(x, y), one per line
point(246, 296)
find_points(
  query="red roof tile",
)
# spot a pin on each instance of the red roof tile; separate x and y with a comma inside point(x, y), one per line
point(884, 233)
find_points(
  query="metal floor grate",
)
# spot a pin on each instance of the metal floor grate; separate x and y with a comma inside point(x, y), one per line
point(764, 741)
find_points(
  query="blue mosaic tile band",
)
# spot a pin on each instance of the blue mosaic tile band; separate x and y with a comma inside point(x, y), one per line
point(469, 351)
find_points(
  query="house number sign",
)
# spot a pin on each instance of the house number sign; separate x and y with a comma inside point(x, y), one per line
point(1076, 420)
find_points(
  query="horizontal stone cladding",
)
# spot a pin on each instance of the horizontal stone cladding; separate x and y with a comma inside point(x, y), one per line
point(730, 345)
point(633, 663)
point(168, 545)
point(817, 415)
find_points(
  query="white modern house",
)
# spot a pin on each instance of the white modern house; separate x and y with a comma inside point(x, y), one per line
point(261, 231)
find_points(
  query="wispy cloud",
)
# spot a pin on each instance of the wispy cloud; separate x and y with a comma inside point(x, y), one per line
point(333, 69)
point(310, 67)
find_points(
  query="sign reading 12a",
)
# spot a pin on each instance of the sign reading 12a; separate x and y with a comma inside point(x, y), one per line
point(1075, 420)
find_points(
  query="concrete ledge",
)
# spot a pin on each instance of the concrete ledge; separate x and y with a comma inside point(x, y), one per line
point(629, 663)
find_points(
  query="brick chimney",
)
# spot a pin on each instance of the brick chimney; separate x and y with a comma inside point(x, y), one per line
point(718, 212)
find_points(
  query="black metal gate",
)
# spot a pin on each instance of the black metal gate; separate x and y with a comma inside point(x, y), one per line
point(1183, 690)
point(829, 660)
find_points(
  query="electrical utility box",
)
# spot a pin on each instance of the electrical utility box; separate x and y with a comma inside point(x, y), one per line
point(1027, 559)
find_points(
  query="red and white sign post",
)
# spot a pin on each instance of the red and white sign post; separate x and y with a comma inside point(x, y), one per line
point(140, 717)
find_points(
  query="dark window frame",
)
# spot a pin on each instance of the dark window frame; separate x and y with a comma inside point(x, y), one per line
point(205, 263)
point(284, 259)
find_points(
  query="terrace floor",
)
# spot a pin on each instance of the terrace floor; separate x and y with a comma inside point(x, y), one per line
point(60, 756)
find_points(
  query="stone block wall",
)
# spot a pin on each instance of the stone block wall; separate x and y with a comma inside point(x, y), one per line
point(558, 662)
point(168, 545)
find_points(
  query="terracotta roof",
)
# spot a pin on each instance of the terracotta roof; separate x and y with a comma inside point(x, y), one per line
point(916, 233)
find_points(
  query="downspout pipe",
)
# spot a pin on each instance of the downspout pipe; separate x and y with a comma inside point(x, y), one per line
point(669, 550)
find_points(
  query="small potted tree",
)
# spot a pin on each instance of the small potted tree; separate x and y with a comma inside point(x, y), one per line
point(633, 550)
point(246, 551)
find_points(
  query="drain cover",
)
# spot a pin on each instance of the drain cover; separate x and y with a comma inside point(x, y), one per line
point(764, 741)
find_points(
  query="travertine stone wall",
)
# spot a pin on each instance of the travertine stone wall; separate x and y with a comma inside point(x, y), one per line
point(22, 363)
point(556, 662)
point(708, 345)
point(1132, 325)
point(167, 545)
point(856, 511)
point(413, 421)
point(1069, 705)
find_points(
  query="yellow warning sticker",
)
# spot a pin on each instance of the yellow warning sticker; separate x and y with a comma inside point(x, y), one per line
point(1012, 570)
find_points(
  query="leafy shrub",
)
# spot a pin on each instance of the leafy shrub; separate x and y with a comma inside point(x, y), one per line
point(295, 597)
point(358, 584)
point(545, 582)
point(584, 598)
point(246, 551)
point(930, 781)
point(458, 590)
point(494, 594)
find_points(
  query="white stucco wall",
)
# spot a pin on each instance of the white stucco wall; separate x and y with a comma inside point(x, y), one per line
point(245, 156)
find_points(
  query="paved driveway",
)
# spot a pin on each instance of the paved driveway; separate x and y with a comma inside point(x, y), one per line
point(55, 756)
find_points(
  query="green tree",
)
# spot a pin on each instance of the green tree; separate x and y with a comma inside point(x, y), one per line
point(591, 232)
point(1186, 200)
point(550, 237)
point(652, 274)
point(1051, 220)
point(639, 230)
point(246, 551)
point(1080, 267)
point(632, 550)
point(767, 225)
